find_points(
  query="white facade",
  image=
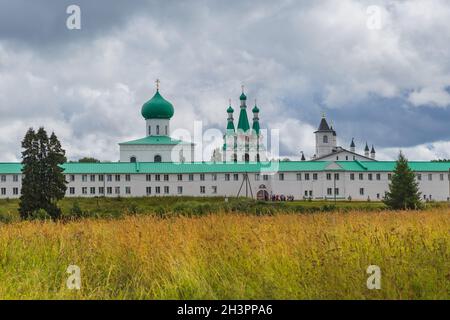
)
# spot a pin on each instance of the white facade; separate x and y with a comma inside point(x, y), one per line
point(301, 184)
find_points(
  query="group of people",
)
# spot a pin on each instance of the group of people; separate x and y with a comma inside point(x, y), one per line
point(282, 197)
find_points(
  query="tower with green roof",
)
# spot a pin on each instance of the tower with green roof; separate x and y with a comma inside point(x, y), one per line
point(243, 124)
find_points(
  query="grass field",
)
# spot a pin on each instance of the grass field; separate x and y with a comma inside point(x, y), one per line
point(230, 256)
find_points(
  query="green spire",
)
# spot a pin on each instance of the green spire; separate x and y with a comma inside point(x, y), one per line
point(243, 123)
point(230, 123)
point(255, 126)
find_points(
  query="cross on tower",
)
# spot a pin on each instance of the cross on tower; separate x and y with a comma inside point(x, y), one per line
point(242, 88)
point(157, 84)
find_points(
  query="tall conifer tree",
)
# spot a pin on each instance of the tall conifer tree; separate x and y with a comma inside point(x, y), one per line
point(403, 189)
point(44, 182)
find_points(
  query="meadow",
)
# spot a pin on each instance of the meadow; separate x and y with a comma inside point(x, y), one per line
point(285, 254)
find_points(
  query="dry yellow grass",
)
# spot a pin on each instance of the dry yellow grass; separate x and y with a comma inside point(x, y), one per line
point(225, 256)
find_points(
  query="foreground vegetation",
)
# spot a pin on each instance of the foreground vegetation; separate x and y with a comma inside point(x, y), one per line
point(230, 256)
point(74, 208)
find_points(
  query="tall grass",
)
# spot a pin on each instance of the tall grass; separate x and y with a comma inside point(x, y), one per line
point(230, 256)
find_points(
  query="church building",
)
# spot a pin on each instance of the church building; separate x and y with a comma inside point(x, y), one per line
point(159, 165)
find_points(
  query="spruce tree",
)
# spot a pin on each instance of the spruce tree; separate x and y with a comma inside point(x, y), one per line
point(43, 183)
point(29, 199)
point(403, 189)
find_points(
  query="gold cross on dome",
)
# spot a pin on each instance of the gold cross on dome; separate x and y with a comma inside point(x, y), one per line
point(157, 84)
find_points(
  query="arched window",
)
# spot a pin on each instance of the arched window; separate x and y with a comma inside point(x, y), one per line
point(133, 159)
point(149, 130)
point(166, 131)
point(258, 159)
point(157, 158)
point(235, 157)
point(325, 139)
point(157, 129)
point(247, 157)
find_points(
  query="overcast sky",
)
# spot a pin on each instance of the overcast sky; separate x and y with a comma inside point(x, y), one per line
point(389, 86)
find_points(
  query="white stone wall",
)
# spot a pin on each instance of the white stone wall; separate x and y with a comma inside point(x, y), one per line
point(344, 156)
point(152, 124)
point(438, 188)
point(147, 153)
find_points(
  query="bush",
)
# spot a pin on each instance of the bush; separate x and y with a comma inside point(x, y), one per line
point(40, 214)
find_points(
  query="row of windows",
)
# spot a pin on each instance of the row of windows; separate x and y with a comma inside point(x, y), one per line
point(15, 178)
point(117, 190)
point(15, 191)
point(228, 176)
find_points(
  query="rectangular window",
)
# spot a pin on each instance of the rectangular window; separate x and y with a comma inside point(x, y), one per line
point(227, 177)
point(166, 189)
point(127, 177)
point(202, 177)
point(117, 177)
point(72, 177)
point(92, 190)
point(370, 177)
point(109, 177)
point(389, 176)
point(352, 176)
point(92, 177)
point(148, 177)
point(101, 177)
point(214, 177)
point(157, 177)
point(441, 177)
point(15, 178)
point(128, 190)
point(72, 190)
point(265, 177)
point(3, 191)
point(84, 177)
point(235, 177)
point(336, 176)
point(202, 189)
point(101, 190)
point(419, 176)
point(166, 177)
point(191, 177)
point(180, 190)
point(336, 191)
point(361, 176)
point(306, 193)
point(299, 176)
point(430, 177)
point(157, 190)
point(15, 191)
point(3, 178)
point(214, 189)
point(329, 191)
point(148, 190)
point(281, 176)
point(117, 190)
point(257, 177)
point(328, 176)
point(314, 176)
point(378, 176)
point(180, 177)
point(109, 190)
point(361, 191)
point(306, 176)
point(84, 190)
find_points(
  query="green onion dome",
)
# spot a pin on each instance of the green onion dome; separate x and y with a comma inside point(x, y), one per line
point(255, 109)
point(157, 108)
point(243, 97)
point(230, 110)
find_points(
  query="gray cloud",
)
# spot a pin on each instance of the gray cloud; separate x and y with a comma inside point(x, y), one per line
point(388, 87)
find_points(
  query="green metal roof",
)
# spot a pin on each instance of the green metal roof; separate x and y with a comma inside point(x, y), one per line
point(205, 167)
point(156, 140)
point(157, 108)
point(243, 123)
